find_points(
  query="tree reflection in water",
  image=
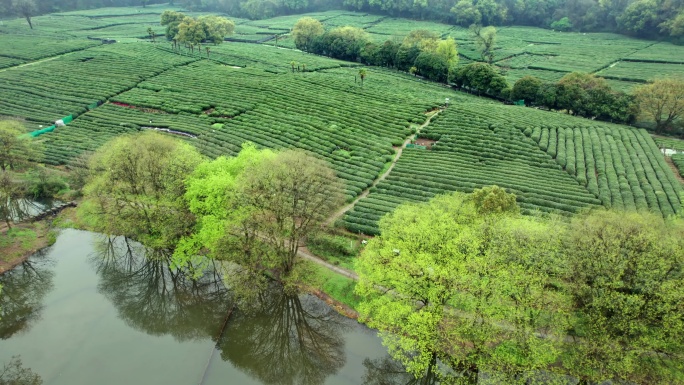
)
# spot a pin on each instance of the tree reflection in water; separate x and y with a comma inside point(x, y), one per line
point(153, 297)
point(24, 288)
point(13, 373)
point(285, 339)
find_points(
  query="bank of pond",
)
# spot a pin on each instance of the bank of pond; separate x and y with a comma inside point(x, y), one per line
point(93, 309)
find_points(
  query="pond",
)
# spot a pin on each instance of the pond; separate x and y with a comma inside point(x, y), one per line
point(94, 310)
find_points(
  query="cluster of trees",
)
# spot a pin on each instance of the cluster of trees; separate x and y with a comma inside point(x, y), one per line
point(253, 210)
point(420, 52)
point(466, 287)
point(661, 102)
point(645, 18)
point(423, 53)
point(580, 94)
point(192, 32)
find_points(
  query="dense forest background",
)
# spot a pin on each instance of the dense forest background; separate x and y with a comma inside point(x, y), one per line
point(662, 19)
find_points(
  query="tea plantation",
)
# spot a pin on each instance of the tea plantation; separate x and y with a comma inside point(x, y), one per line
point(242, 91)
point(553, 163)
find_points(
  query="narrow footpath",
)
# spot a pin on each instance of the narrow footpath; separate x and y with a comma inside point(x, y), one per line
point(379, 179)
point(304, 253)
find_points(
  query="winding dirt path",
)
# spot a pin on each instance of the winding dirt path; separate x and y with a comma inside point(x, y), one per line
point(379, 179)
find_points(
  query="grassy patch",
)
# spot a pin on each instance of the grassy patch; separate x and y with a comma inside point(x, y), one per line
point(339, 287)
point(21, 241)
point(339, 250)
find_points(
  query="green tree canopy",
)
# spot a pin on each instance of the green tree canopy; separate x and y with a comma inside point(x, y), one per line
point(305, 31)
point(446, 284)
point(137, 188)
point(526, 88)
point(25, 8)
point(216, 28)
point(256, 209)
point(662, 102)
point(481, 77)
point(172, 20)
point(485, 38)
point(626, 280)
point(16, 149)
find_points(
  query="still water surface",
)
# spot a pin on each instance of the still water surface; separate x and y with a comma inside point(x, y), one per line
point(94, 310)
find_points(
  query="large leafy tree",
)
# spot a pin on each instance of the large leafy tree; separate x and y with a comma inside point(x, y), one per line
point(172, 20)
point(661, 101)
point(485, 38)
point(640, 18)
point(526, 88)
point(25, 8)
point(481, 77)
point(305, 31)
point(626, 281)
point(446, 49)
point(16, 149)
point(137, 188)
point(462, 281)
point(585, 95)
point(216, 28)
point(256, 209)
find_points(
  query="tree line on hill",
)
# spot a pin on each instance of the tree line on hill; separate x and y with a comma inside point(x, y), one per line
point(424, 53)
point(642, 18)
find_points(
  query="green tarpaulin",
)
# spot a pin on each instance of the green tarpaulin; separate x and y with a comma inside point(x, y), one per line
point(42, 131)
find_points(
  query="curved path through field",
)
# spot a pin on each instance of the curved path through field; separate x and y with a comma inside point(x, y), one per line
point(365, 192)
point(30, 63)
point(304, 253)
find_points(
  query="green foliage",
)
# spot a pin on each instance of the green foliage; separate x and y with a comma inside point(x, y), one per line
point(562, 24)
point(192, 31)
point(485, 39)
point(254, 210)
point(494, 200)
point(44, 183)
point(443, 252)
point(481, 77)
point(640, 18)
point(137, 188)
point(16, 149)
point(336, 249)
point(625, 280)
point(13, 373)
point(305, 31)
point(527, 89)
point(343, 43)
point(662, 101)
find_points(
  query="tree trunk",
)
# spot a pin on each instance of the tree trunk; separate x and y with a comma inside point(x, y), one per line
point(28, 18)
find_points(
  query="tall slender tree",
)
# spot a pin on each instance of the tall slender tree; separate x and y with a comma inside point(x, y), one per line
point(26, 8)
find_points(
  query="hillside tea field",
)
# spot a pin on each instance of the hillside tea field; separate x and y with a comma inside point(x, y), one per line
point(352, 127)
point(249, 92)
point(552, 162)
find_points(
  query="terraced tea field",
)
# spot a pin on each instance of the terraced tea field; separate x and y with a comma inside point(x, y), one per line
point(47, 91)
point(352, 127)
point(248, 92)
point(553, 163)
